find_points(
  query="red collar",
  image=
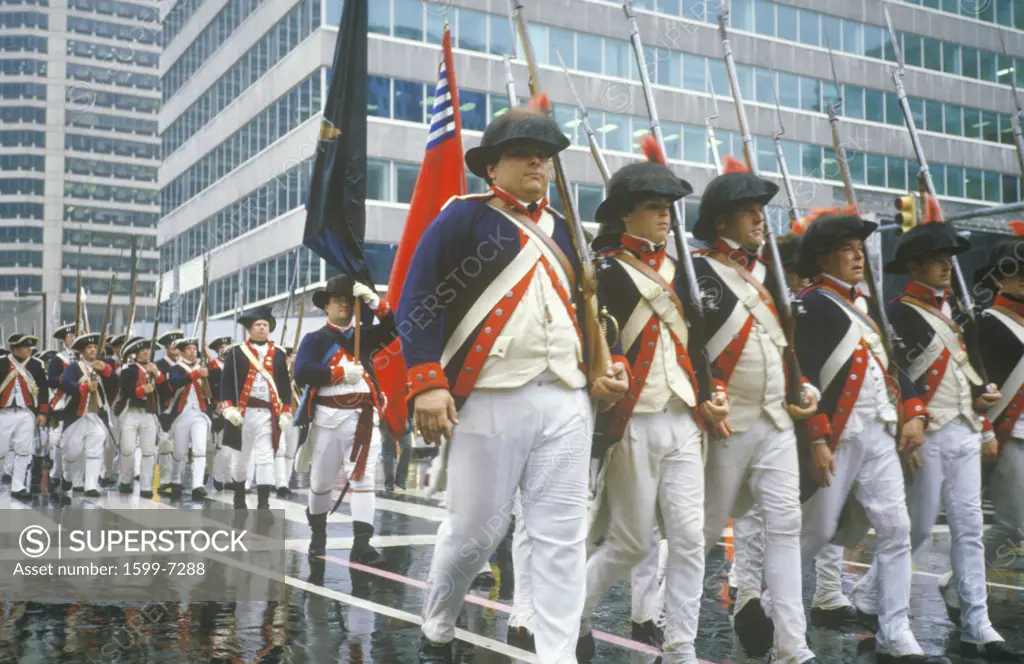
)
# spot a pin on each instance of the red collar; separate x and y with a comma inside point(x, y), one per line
point(514, 203)
point(740, 255)
point(644, 249)
point(851, 293)
point(1016, 306)
point(919, 291)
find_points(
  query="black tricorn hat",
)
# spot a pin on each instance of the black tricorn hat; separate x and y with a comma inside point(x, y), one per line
point(788, 245)
point(341, 284)
point(119, 340)
point(92, 339)
point(46, 356)
point(824, 233)
point(736, 185)
point(1006, 259)
point(134, 345)
point(264, 312)
point(633, 183)
point(169, 337)
point(518, 126)
point(64, 330)
point(22, 340)
point(219, 343)
point(932, 238)
point(180, 344)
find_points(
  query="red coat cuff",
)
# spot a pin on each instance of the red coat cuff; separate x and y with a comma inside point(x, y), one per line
point(107, 370)
point(226, 404)
point(625, 363)
point(720, 386)
point(985, 424)
point(914, 408)
point(382, 309)
point(337, 373)
point(818, 427)
point(287, 408)
point(44, 408)
point(423, 377)
point(160, 378)
point(139, 392)
point(194, 374)
point(83, 388)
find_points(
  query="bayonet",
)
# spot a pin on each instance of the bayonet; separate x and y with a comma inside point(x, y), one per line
point(595, 148)
point(709, 124)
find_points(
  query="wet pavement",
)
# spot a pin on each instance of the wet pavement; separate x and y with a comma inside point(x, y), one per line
point(336, 611)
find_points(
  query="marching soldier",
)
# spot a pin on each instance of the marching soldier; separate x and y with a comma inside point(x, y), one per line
point(256, 401)
point(653, 467)
point(1002, 328)
point(853, 440)
point(139, 380)
point(284, 459)
point(218, 456)
point(339, 405)
point(60, 473)
point(752, 460)
point(24, 405)
point(43, 459)
point(86, 413)
point(490, 319)
point(949, 469)
point(164, 437)
point(190, 403)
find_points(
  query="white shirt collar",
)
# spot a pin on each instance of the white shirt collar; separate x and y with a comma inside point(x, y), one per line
point(351, 324)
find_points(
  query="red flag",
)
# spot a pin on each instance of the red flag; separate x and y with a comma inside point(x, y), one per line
point(442, 176)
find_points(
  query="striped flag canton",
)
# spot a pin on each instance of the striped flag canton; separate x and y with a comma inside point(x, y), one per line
point(442, 121)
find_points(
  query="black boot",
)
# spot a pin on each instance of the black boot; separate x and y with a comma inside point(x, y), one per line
point(125, 489)
point(362, 552)
point(434, 653)
point(239, 489)
point(284, 492)
point(263, 496)
point(318, 541)
point(36, 481)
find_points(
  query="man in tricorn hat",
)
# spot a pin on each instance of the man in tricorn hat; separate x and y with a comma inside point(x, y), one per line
point(218, 456)
point(1002, 328)
point(191, 407)
point(139, 380)
point(86, 416)
point(853, 441)
point(490, 318)
point(284, 460)
point(24, 405)
point(164, 437)
point(757, 468)
point(60, 476)
point(256, 401)
point(338, 404)
point(651, 443)
point(948, 466)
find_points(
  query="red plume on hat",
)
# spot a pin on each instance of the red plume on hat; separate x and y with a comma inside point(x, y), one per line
point(649, 146)
point(799, 226)
point(817, 213)
point(733, 165)
point(932, 211)
point(1017, 226)
point(541, 102)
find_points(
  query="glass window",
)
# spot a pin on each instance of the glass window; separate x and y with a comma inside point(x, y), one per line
point(1005, 69)
point(435, 27)
point(874, 38)
point(695, 144)
point(565, 117)
point(588, 53)
point(830, 165)
point(983, 11)
point(405, 181)
point(916, 111)
point(694, 70)
point(501, 35)
point(990, 126)
point(380, 17)
point(973, 184)
point(951, 58)
point(938, 172)
point(617, 57)
point(669, 68)
point(788, 27)
point(853, 102)
point(720, 78)
point(377, 180)
point(876, 170)
point(742, 15)
point(616, 132)
point(378, 96)
point(409, 19)
point(745, 75)
point(954, 120)
point(933, 116)
point(853, 37)
point(409, 101)
point(810, 94)
point(564, 41)
point(473, 107)
point(472, 30)
point(857, 161)
point(810, 160)
point(671, 7)
point(1005, 129)
point(969, 60)
point(972, 123)
point(951, 6)
point(810, 28)
point(764, 91)
point(988, 66)
point(1010, 193)
point(896, 171)
point(893, 112)
point(912, 49)
point(874, 105)
point(1018, 14)
point(588, 198)
point(673, 134)
point(932, 54)
point(832, 32)
point(764, 18)
point(954, 181)
point(789, 90)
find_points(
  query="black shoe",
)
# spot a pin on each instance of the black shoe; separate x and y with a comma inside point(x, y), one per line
point(219, 486)
point(146, 494)
point(239, 489)
point(164, 489)
point(362, 552)
point(886, 658)
point(993, 651)
point(868, 621)
point(175, 492)
point(78, 489)
point(198, 494)
point(649, 633)
point(755, 630)
point(317, 570)
point(435, 653)
point(36, 474)
point(520, 637)
point(92, 493)
point(65, 485)
point(284, 492)
point(586, 648)
point(22, 495)
point(843, 616)
point(263, 496)
point(124, 488)
point(318, 540)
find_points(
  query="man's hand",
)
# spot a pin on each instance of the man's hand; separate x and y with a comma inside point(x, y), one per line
point(823, 464)
point(435, 415)
point(94, 386)
point(284, 421)
point(990, 451)
point(612, 386)
point(714, 413)
point(353, 373)
point(911, 437)
point(41, 420)
point(987, 399)
point(366, 294)
point(233, 415)
point(153, 369)
point(148, 388)
point(204, 372)
point(99, 365)
point(810, 406)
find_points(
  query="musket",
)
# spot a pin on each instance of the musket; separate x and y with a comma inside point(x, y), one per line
point(709, 124)
point(78, 305)
point(890, 339)
point(298, 325)
point(964, 300)
point(17, 325)
point(152, 340)
point(204, 360)
point(595, 148)
point(135, 288)
point(595, 344)
point(786, 314)
point(106, 316)
point(1015, 117)
point(794, 211)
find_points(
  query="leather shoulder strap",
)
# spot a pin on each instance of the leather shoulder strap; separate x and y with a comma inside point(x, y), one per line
point(646, 270)
point(538, 234)
point(744, 273)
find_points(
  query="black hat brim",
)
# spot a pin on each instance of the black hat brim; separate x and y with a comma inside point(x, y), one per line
point(482, 156)
point(611, 208)
point(247, 321)
point(925, 240)
point(813, 245)
point(726, 191)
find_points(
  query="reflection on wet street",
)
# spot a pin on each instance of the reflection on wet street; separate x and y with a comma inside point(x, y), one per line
point(335, 611)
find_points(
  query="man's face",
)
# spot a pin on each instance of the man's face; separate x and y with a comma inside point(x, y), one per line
point(796, 282)
point(1012, 285)
point(172, 352)
point(523, 172)
point(935, 271)
point(650, 219)
point(259, 331)
point(142, 356)
point(190, 352)
point(743, 224)
point(89, 353)
point(22, 352)
point(339, 310)
point(69, 339)
point(846, 262)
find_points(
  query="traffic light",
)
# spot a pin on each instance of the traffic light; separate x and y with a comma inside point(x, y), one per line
point(907, 215)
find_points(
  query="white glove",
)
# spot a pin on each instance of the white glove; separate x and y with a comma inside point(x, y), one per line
point(353, 373)
point(233, 415)
point(366, 294)
point(284, 421)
